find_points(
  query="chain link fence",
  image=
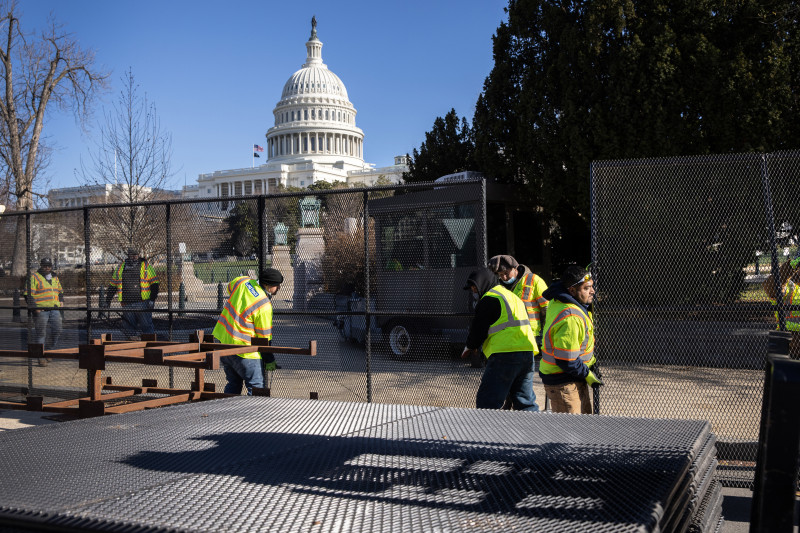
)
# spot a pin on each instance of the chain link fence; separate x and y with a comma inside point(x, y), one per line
point(681, 247)
point(375, 276)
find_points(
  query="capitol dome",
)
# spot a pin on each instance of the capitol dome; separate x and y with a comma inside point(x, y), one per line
point(314, 118)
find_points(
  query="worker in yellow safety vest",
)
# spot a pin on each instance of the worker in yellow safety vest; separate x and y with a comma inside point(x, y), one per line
point(788, 274)
point(247, 314)
point(568, 343)
point(138, 287)
point(530, 288)
point(44, 297)
point(502, 331)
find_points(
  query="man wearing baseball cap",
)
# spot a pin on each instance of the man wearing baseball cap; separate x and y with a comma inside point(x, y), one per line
point(248, 314)
point(568, 343)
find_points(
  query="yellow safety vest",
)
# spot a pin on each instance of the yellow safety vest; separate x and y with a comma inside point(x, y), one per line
point(569, 334)
point(512, 331)
point(530, 290)
point(247, 314)
point(45, 293)
point(147, 278)
point(791, 296)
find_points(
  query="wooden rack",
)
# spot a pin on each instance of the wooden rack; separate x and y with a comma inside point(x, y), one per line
point(196, 354)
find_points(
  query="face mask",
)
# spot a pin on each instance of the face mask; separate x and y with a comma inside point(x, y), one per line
point(509, 281)
point(48, 277)
point(474, 300)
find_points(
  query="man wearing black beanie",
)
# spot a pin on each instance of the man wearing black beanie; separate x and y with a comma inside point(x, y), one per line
point(247, 314)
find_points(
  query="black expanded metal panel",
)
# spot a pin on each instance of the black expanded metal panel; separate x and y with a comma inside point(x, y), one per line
point(267, 464)
point(680, 248)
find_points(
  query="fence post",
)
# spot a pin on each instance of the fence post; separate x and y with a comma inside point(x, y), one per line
point(367, 316)
point(181, 299)
point(262, 246)
point(220, 296)
point(87, 269)
point(16, 314)
point(101, 297)
point(181, 292)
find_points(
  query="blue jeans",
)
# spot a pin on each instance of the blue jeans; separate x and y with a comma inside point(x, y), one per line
point(237, 370)
point(507, 374)
point(42, 320)
point(133, 323)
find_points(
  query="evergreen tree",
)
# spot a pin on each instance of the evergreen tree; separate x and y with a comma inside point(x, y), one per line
point(447, 148)
point(583, 81)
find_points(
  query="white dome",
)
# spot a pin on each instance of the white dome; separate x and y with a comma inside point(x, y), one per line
point(314, 80)
point(314, 118)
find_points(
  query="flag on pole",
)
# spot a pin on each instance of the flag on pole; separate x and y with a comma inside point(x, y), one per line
point(256, 155)
point(257, 148)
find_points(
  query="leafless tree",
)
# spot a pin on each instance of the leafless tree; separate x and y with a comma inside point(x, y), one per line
point(37, 71)
point(134, 154)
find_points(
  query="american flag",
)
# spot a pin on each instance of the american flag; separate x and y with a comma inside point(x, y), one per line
point(257, 148)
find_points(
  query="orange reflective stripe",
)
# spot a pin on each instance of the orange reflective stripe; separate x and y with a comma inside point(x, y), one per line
point(232, 288)
point(236, 319)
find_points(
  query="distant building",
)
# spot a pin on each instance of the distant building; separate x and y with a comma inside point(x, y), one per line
point(102, 194)
point(314, 138)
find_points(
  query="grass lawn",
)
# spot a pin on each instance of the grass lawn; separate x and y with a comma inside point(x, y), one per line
point(223, 271)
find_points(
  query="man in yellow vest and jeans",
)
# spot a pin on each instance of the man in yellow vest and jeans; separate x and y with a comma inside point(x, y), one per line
point(568, 343)
point(502, 331)
point(44, 296)
point(530, 288)
point(138, 286)
point(247, 314)
point(790, 290)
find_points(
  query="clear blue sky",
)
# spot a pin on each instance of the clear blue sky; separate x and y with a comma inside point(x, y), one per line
point(215, 70)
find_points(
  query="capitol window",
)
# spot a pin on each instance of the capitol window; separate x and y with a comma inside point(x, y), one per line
point(305, 114)
point(313, 115)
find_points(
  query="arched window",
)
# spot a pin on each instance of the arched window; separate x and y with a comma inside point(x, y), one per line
point(305, 114)
point(313, 114)
point(326, 114)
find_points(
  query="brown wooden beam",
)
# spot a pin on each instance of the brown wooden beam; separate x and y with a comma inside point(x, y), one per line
point(157, 402)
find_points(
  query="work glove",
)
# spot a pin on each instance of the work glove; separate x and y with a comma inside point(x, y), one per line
point(592, 379)
point(270, 366)
point(794, 263)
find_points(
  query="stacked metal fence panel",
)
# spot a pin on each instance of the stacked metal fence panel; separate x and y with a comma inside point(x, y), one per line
point(270, 464)
point(680, 248)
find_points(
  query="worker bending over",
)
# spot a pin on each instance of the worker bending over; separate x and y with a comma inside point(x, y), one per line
point(247, 314)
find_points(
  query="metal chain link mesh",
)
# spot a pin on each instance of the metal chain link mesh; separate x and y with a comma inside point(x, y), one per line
point(681, 247)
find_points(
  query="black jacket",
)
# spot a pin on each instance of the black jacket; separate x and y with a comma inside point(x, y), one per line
point(487, 311)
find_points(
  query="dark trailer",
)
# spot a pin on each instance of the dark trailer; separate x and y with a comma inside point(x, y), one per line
point(427, 242)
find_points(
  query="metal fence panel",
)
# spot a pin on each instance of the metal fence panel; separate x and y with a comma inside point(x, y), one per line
point(680, 249)
point(405, 250)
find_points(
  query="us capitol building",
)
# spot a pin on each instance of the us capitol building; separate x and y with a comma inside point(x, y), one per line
point(315, 138)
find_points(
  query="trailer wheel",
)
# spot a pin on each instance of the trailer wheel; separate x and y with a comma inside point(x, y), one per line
point(402, 339)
